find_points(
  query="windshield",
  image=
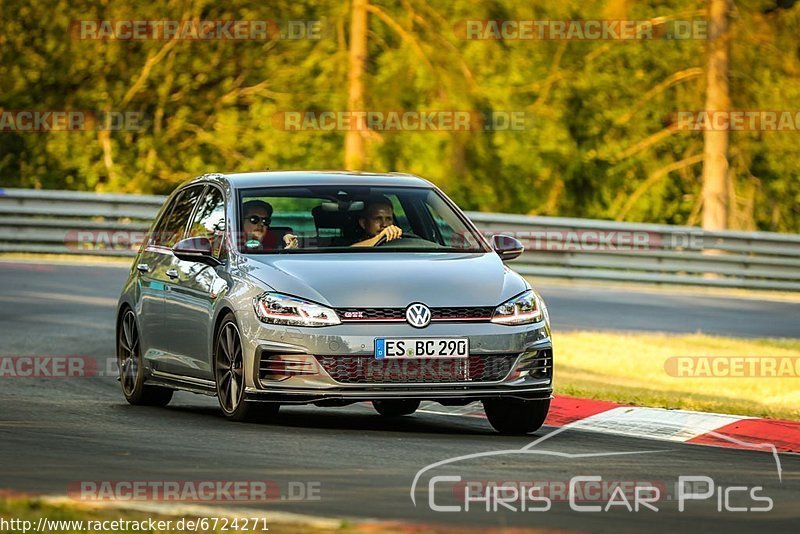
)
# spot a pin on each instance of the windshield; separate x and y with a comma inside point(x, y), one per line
point(351, 218)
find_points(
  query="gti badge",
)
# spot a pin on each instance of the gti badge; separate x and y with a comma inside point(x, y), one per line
point(418, 315)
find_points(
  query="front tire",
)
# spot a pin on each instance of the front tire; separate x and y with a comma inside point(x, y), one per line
point(229, 376)
point(395, 408)
point(516, 416)
point(131, 367)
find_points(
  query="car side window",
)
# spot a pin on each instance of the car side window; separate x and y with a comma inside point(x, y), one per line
point(209, 219)
point(172, 230)
point(158, 229)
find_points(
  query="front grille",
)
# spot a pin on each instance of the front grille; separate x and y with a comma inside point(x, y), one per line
point(371, 314)
point(470, 313)
point(368, 369)
point(458, 314)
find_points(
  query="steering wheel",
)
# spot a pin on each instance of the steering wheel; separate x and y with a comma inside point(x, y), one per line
point(383, 240)
point(405, 238)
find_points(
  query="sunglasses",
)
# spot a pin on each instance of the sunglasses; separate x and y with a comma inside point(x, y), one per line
point(255, 219)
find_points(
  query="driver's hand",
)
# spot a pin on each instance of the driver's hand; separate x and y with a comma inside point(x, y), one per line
point(290, 241)
point(390, 233)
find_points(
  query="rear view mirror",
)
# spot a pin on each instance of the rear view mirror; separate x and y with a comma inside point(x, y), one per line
point(195, 249)
point(507, 247)
point(343, 205)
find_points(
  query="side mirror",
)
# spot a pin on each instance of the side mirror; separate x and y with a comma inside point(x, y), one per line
point(507, 247)
point(195, 249)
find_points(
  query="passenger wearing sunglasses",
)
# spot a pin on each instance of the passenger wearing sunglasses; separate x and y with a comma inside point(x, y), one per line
point(257, 216)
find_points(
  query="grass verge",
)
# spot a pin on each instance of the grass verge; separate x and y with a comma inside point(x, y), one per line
point(82, 259)
point(640, 369)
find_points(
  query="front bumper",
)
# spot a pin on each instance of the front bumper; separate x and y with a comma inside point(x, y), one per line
point(486, 341)
point(438, 393)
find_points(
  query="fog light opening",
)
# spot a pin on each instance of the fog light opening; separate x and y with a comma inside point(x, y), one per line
point(536, 364)
point(283, 366)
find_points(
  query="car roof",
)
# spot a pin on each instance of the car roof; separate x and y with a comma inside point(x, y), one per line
point(305, 178)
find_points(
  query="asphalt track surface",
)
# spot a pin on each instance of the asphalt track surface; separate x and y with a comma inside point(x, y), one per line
point(54, 432)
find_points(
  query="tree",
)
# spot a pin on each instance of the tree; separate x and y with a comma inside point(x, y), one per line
point(354, 153)
point(716, 190)
point(599, 139)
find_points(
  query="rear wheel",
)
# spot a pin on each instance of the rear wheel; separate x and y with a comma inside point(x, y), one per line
point(395, 408)
point(516, 416)
point(230, 379)
point(131, 367)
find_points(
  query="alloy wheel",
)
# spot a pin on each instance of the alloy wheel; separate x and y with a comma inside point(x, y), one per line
point(229, 368)
point(128, 353)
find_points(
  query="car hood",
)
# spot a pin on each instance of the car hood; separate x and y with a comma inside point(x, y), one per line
point(389, 280)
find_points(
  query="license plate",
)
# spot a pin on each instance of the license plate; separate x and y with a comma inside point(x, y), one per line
point(423, 347)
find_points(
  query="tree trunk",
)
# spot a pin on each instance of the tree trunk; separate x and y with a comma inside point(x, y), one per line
point(716, 208)
point(354, 153)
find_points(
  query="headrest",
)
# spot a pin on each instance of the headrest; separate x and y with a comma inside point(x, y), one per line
point(331, 219)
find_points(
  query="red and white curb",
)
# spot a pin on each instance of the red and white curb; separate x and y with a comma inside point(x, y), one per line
point(732, 431)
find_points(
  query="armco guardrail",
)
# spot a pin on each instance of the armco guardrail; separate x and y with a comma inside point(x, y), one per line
point(62, 222)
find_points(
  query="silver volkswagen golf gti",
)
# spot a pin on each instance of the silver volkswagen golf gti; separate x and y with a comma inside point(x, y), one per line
point(331, 288)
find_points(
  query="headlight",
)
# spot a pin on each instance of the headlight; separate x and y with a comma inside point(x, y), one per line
point(523, 309)
point(275, 308)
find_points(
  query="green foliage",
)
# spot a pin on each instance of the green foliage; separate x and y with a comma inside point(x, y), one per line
point(596, 141)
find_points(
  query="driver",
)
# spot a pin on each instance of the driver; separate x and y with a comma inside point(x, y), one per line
point(256, 218)
point(377, 222)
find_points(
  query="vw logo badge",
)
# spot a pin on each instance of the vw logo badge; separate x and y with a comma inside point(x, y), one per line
point(418, 315)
